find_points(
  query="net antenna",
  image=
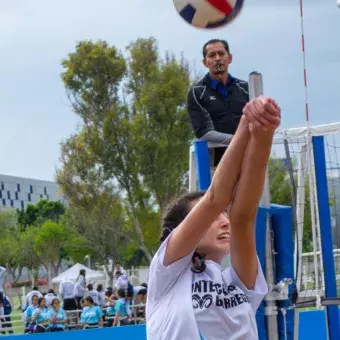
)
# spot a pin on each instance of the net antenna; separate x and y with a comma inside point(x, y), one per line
point(256, 90)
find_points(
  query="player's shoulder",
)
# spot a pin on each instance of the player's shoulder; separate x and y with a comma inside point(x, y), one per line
point(198, 87)
point(240, 82)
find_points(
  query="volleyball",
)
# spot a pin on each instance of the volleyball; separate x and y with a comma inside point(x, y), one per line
point(208, 13)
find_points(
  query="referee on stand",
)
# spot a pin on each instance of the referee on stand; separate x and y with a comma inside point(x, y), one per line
point(215, 103)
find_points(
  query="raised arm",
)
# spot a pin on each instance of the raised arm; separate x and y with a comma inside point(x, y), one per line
point(188, 234)
point(247, 196)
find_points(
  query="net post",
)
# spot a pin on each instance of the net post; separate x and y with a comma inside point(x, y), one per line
point(202, 164)
point(333, 324)
point(256, 90)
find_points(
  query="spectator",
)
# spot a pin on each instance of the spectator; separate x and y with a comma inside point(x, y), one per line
point(29, 313)
point(92, 293)
point(50, 296)
point(41, 317)
point(28, 299)
point(2, 316)
point(108, 295)
point(92, 316)
point(7, 311)
point(66, 291)
point(215, 103)
point(57, 317)
point(123, 312)
point(101, 296)
point(79, 288)
point(111, 310)
point(118, 268)
point(2, 278)
point(121, 281)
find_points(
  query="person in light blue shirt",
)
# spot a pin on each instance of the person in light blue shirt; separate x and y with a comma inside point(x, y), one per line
point(92, 316)
point(111, 310)
point(29, 313)
point(41, 317)
point(57, 317)
point(122, 307)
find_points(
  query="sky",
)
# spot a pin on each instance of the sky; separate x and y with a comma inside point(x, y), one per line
point(35, 35)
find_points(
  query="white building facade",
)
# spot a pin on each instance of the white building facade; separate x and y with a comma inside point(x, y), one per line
point(18, 192)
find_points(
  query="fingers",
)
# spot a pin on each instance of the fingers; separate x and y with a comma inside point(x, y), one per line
point(263, 112)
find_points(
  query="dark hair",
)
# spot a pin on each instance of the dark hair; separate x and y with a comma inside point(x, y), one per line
point(40, 300)
point(54, 300)
point(34, 296)
point(176, 212)
point(35, 288)
point(121, 292)
point(99, 288)
point(90, 286)
point(118, 273)
point(89, 299)
point(145, 285)
point(51, 291)
point(215, 41)
point(1, 297)
point(117, 262)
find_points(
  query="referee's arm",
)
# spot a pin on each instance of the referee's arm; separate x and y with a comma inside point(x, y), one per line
point(201, 121)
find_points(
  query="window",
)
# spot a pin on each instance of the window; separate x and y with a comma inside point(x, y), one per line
point(41, 196)
point(2, 186)
point(3, 202)
point(29, 197)
point(31, 189)
point(1, 194)
point(16, 195)
point(18, 187)
point(12, 203)
point(45, 191)
point(22, 205)
point(8, 194)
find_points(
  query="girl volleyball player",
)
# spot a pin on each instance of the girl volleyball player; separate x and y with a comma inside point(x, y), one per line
point(189, 296)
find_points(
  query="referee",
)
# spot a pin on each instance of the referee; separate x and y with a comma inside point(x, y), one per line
point(215, 103)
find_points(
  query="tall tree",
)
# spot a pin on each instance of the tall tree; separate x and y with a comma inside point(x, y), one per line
point(137, 138)
point(280, 193)
point(40, 212)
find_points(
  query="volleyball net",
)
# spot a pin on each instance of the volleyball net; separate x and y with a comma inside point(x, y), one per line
point(304, 177)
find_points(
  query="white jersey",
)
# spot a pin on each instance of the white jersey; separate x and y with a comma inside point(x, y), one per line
point(79, 288)
point(30, 295)
point(2, 278)
point(94, 295)
point(122, 282)
point(212, 305)
point(49, 297)
point(66, 289)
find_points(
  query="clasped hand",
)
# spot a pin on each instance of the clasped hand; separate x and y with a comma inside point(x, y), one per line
point(263, 115)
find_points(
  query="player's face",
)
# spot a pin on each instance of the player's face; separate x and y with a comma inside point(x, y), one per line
point(215, 243)
point(217, 59)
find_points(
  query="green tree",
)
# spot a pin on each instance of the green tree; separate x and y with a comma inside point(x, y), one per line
point(136, 139)
point(10, 244)
point(280, 193)
point(40, 212)
point(54, 241)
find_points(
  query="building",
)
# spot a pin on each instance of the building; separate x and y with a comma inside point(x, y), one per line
point(18, 192)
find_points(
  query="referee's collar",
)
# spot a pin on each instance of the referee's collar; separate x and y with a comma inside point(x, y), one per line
point(214, 83)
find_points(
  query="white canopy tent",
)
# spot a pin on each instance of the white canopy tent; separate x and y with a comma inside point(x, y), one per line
point(73, 272)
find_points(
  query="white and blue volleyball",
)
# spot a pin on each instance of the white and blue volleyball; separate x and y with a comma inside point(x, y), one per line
point(208, 13)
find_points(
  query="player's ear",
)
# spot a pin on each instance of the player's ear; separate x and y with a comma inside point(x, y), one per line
point(204, 62)
point(230, 58)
